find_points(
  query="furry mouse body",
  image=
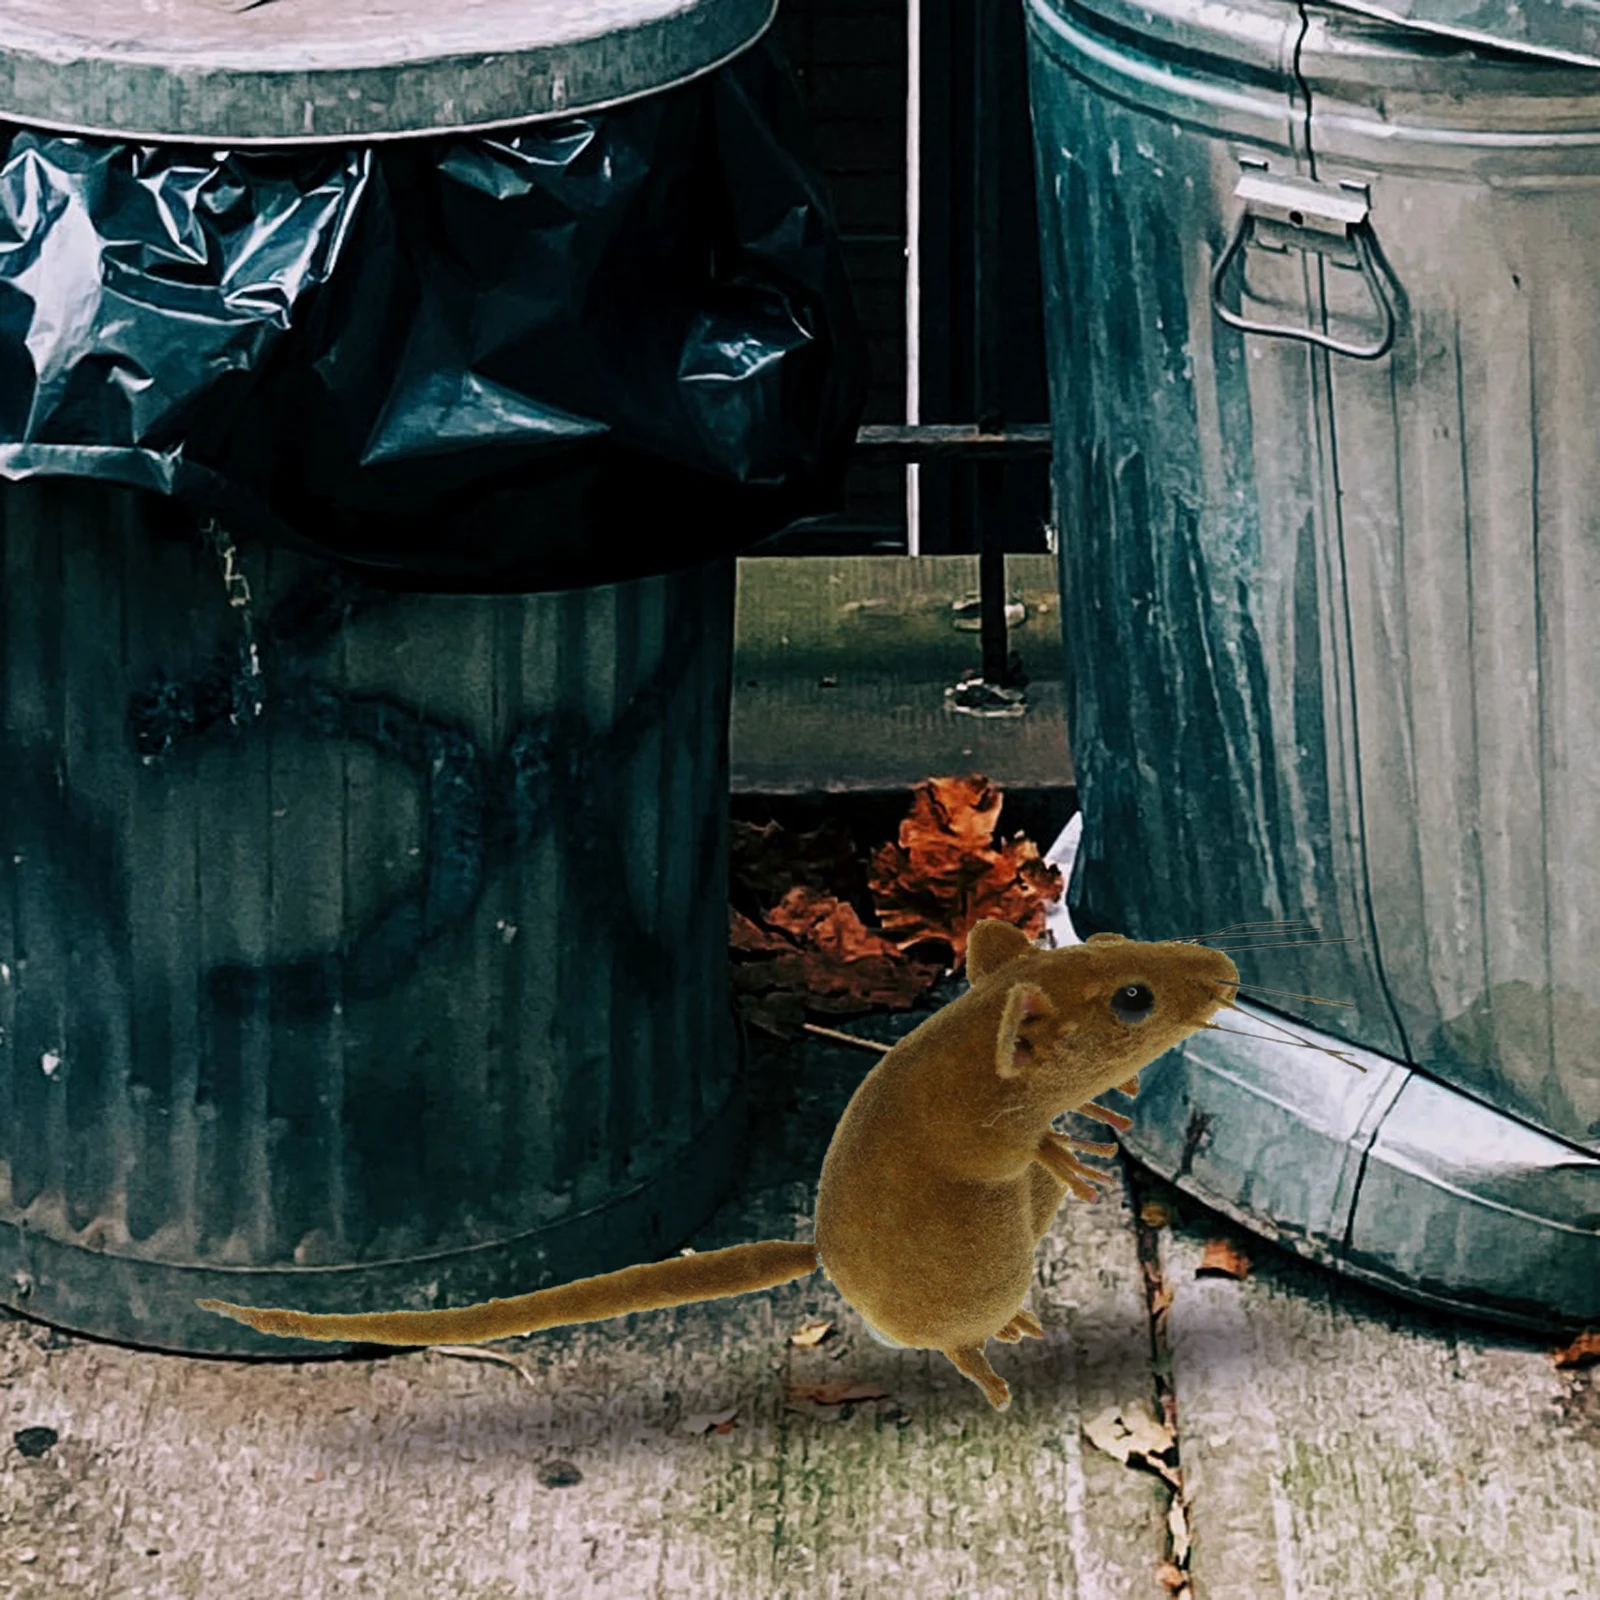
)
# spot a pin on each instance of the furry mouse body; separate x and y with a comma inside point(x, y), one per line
point(942, 1176)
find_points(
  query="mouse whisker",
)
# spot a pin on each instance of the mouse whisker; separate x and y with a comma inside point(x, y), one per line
point(1305, 1044)
point(1287, 994)
point(1230, 949)
point(1244, 1033)
point(1247, 927)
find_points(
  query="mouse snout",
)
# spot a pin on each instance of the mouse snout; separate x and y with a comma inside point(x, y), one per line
point(1218, 968)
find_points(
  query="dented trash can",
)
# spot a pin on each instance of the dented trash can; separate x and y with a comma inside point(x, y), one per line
point(383, 407)
point(1324, 333)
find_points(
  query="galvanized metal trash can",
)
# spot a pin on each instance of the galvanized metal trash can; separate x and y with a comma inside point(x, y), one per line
point(362, 945)
point(1324, 337)
point(409, 991)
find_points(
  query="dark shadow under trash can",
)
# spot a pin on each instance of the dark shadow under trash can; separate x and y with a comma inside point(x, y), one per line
point(1323, 351)
point(366, 605)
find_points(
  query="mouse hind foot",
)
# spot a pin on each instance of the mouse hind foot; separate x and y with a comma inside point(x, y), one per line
point(970, 1362)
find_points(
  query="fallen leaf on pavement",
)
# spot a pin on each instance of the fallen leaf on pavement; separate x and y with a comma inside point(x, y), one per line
point(810, 1334)
point(947, 871)
point(1133, 1438)
point(1584, 1351)
point(799, 944)
point(1223, 1259)
point(816, 955)
point(744, 935)
point(826, 923)
point(836, 1392)
point(1178, 1527)
point(709, 1421)
point(766, 860)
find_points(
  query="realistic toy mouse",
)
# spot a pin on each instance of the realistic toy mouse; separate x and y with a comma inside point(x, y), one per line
point(942, 1176)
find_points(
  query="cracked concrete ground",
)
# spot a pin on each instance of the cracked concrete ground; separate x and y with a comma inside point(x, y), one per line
point(1330, 1442)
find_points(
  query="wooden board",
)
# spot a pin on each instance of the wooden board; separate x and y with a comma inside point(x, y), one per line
point(1333, 1443)
point(1336, 1442)
point(424, 1474)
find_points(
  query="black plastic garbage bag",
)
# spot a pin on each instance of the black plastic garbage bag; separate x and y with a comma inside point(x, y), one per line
point(575, 352)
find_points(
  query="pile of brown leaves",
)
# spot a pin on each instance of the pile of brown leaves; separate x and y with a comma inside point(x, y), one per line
point(822, 936)
point(950, 870)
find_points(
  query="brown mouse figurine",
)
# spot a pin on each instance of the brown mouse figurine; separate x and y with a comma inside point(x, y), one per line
point(942, 1176)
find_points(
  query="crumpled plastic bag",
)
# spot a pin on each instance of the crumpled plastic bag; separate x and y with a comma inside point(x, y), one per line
point(579, 351)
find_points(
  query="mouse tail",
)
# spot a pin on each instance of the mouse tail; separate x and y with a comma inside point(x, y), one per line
point(706, 1275)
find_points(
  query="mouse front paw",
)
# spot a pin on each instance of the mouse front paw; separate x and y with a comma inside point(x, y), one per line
point(1023, 1325)
point(1055, 1155)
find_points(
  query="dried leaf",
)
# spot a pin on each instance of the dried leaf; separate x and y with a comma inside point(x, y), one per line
point(837, 988)
point(766, 860)
point(1584, 1351)
point(1134, 1438)
point(811, 954)
point(836, 1392)
point(1223, 1259)
point(709, 1421)
point(824, 922)
point(1172, 1578)
point(810, 1334)
point(781, 1015)
point(744, 935)
point(1161, 1300)
point(1178, 1527)
point(947, 871)
point(829, 963)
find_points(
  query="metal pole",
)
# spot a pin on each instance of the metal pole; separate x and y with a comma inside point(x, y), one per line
point(987, 327)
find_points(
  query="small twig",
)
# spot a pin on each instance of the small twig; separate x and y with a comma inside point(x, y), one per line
point(473, 1352)
point(846, 1038)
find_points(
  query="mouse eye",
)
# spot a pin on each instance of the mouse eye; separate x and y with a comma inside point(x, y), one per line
point(1132, 1003)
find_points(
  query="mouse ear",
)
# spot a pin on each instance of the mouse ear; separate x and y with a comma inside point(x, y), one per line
point(992, 945)
point(1015, 1044)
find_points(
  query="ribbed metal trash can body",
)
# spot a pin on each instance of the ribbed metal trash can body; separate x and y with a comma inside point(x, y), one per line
point(363, 916)
point(392, 975)
point(1328, 588)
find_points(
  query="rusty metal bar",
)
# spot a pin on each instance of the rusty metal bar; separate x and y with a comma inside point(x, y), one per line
point(941, 441)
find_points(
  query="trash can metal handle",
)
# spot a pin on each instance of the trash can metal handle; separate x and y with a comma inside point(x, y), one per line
point(1310, 216)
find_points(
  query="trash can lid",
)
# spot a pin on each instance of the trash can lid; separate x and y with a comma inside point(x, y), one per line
point(281, 72)
point(1554, 30)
